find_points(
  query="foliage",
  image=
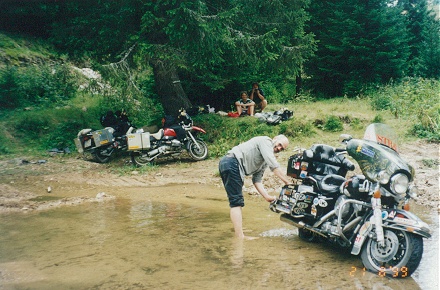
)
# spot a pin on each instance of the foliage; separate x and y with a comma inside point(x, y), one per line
point(415, 99)
point(4, 142)
point(17, 50)
point(378, 119)
point(50, 128)
point(333, 124)
point(210, 43)
point(137, 99)
point(36, 85)
point(372, 42)
point(241, 129)
point(424, 41)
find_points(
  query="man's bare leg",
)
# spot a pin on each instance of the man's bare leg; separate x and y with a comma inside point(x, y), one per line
point(237, 221)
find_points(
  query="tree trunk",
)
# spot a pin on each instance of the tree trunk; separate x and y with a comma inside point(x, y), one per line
point(169, 88)
point(298, 82)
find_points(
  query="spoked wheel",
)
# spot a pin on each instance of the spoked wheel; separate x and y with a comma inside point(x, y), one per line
point(399, 257)
point(140, 159)
point(101, 156)
point(198, 151)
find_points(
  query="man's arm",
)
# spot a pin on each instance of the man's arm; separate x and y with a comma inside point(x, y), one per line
point(261, 96)
point(277, 171)
point(261, 190)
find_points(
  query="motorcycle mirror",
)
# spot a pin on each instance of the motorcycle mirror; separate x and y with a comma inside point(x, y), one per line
point(344, 138)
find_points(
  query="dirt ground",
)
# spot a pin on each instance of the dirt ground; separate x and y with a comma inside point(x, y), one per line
point(27, 184)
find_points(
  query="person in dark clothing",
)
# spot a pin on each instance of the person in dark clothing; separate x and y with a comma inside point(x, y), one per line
point(109, 120)
point(123, 123)
point(257, 95)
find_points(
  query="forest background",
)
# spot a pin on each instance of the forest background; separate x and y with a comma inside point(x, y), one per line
point(64, 63)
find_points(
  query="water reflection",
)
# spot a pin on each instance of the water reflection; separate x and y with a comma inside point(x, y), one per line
point(143, 244)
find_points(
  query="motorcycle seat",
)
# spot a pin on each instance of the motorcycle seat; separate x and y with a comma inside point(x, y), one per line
point(158, 135)
point(331, 184)
point(324, 160)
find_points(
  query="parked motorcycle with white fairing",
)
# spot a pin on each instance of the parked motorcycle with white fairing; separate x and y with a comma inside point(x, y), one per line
point(146, 148)
point(368, 213)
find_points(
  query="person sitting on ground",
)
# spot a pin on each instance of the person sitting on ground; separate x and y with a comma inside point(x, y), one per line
point(257, 96)
point(245, 106)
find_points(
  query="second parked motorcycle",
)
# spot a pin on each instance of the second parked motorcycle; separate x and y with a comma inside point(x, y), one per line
point(367, 214)
point(101, 144)
point(183, 137)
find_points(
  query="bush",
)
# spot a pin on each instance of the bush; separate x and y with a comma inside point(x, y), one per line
point(415, 99)
point(333, 124)
point(36, 85)
point(31, 126)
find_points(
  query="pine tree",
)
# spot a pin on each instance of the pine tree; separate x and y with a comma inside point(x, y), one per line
point(360, 43)
point(424, 41)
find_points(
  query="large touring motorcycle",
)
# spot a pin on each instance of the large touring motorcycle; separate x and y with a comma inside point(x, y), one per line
point(368, 213)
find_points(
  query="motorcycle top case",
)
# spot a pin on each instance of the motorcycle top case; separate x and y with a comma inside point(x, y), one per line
point(138, 141)
point(102, 137)
point(294, 166)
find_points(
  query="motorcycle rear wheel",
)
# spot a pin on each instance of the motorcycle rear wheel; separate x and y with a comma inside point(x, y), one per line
point(400, 256)
point(99, 157)
point(195, 152)
point(140, 159)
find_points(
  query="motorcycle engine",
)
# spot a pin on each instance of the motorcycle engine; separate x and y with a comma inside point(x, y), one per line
point(343, 210)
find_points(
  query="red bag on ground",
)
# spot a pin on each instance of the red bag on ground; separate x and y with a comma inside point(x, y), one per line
point(233, 114)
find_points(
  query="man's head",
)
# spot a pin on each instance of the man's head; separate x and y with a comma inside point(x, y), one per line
point(280, 143)
point(255, 85)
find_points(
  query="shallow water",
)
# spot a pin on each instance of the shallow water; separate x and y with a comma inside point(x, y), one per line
point(150, 240)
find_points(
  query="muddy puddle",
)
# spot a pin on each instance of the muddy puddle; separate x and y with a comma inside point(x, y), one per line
point(157, 239)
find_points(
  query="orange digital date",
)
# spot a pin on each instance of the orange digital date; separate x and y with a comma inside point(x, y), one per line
point(403, 271)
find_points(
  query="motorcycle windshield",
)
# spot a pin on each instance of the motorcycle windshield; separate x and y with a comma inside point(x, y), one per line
point(377, 152)
point(381, 134)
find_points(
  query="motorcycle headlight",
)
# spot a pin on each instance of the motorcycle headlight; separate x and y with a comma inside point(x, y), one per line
point(399, 183)
point(412, 192)
point(383, 177)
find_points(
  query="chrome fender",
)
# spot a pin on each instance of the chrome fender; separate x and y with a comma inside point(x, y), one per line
point(392, 219)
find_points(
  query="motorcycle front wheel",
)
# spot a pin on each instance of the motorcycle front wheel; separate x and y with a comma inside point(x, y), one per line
point(399, 257)
point(198, 151)
point(140, 159)
point(308, 236)
point(101, 156)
